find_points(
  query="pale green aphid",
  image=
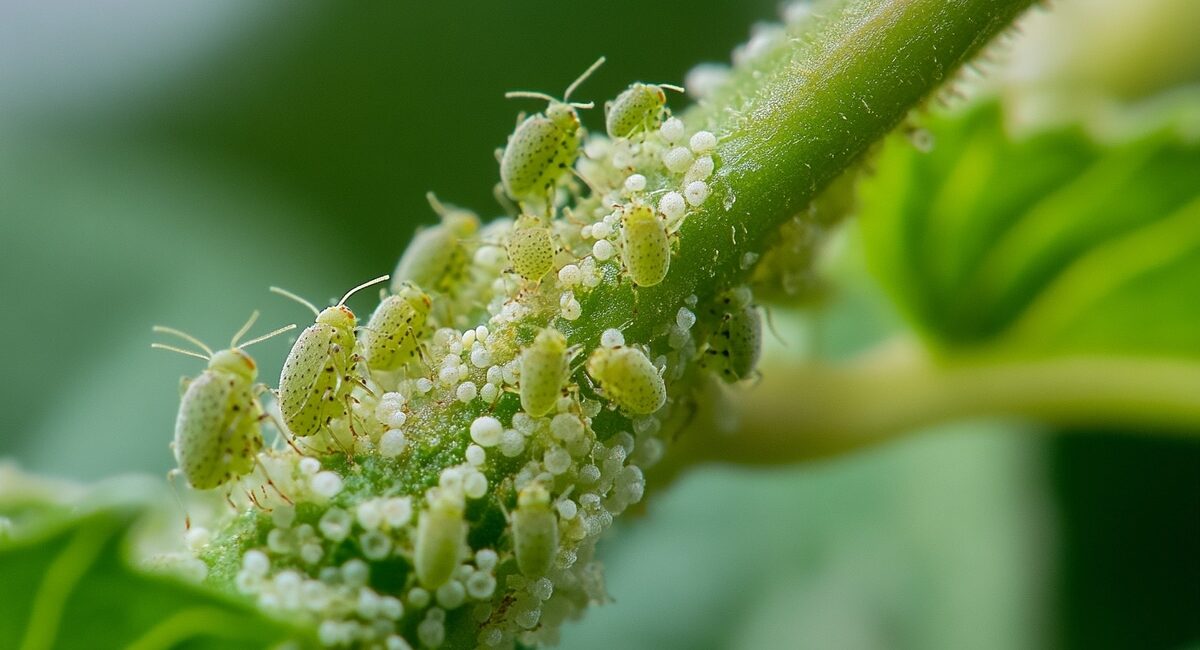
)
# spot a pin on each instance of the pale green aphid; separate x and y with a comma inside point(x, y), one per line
point(637, 109)
point(319, 373)
point(530, 248)
point(437, 259)
point(534, 531)
point(392, 335)
point(441, 536)
point(645, 246)
point(734, 348)
point(544, 147)
point(218, 428)
point(628, 379)
point(544, 370)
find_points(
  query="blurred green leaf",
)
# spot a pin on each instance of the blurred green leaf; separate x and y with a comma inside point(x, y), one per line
point(67, 583)
point(1048, 243)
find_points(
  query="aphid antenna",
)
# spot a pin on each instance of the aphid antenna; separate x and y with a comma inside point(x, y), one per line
point(162, 329)
point(771, 327)
point(573, 352)
point(582, 78)
point(245, 328)
point(529, 94)
point(272, 334)
point(288, 294)
point(506, 204)
point(368, 283)
point(678, 89)
point(436, 204)
point(171, 348)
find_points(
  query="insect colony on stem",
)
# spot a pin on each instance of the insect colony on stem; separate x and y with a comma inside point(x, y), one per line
point(474, 399)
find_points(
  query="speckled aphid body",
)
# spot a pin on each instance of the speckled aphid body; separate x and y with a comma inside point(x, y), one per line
point(534, 531)
point(438, 259)
point(319, 372)
point(543, 148)
point(530, 248)
point(441, 533)
point(736, 345)
point(637, 109)
point(645, 246)
point(392, 335)
point(544, 370)
point(628, 379)
point(218, 429)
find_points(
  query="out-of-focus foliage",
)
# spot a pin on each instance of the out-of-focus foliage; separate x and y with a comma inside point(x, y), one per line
point(68, 580)
point(1050, 242)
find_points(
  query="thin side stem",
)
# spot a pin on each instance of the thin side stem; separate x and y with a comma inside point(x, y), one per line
point(806, 412)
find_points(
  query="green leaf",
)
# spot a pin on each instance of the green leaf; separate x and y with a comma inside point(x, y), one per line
point(67, 583)
point(1053, 242)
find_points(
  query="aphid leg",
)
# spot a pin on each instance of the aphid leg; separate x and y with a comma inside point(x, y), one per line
point(229, 500)
point(421, 352)
point(351, 402)
point(272, 484)
point(771, 326)
point(551, 194)
point(360, 383)
point(583, 179)
point(281, 431)
point(254, 500)
point(593, 388)
point(330, 396)
point(756, 378)
point(187, 519)
point(569, 215)
point(506, 204)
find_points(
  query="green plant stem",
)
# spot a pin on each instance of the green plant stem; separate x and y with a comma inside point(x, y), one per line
point(811, 411)
point(791, 123)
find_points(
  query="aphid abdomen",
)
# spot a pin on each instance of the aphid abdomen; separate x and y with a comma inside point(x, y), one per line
point(544, 370)
point(217, 430)
point(744, 332)
point(535, 532)
point(635, 110)
point(628, 379)
point(309, 382)
point(539, 152)
point(437, 258)
point(531, 251)
point(645, 248)
point(393, 332)
point(441, 532)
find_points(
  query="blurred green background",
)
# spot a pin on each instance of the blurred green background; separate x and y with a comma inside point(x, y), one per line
point(165, 163)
